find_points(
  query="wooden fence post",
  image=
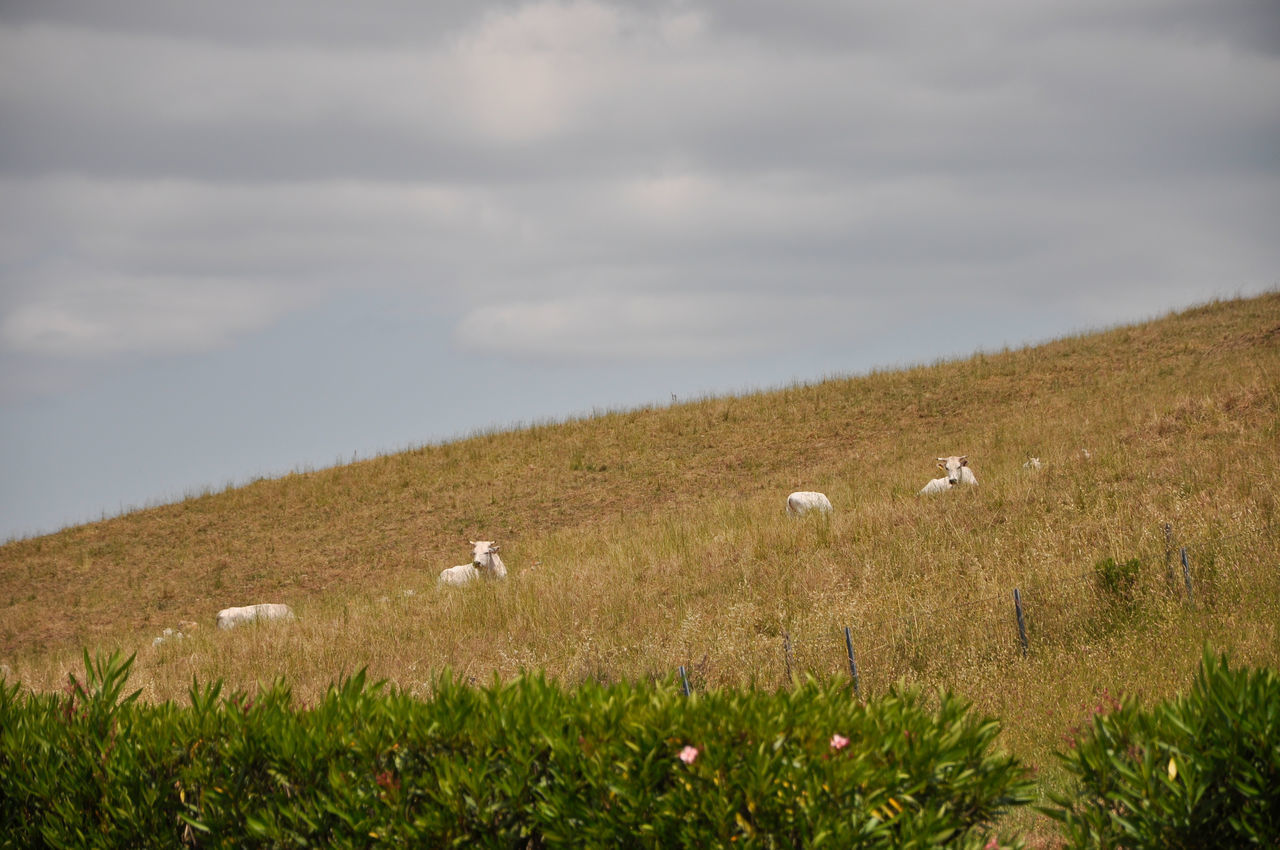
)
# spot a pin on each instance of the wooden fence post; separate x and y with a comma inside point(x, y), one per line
point(1022, 623)
point(1186, 575)
point(684, 680)
point(853, 664)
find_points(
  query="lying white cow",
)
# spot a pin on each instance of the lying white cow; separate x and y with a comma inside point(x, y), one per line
point(485, 563)
point(800, 503)
point(957, 472)
point(229, 618)
point(937, 485)
point(1032, 464)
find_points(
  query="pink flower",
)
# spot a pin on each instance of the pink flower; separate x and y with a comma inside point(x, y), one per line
point(839, 742)
point(688, 754)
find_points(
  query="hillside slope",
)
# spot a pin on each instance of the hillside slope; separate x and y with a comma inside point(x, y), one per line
point(667, 521)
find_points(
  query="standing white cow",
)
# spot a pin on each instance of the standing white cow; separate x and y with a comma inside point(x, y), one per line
point(803, 501)
point(485, 563)
point(957, 472)
point(229, 618)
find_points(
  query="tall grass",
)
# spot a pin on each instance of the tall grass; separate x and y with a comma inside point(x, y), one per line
point(646, 539)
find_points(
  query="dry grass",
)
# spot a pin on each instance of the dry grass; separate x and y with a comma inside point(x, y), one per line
point(647, 539)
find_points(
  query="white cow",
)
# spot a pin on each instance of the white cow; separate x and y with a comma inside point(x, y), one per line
point(1032, 464)
point(937, 485)
point(485, 563)
point(800, 503)
point(957, 472)
point(229, 618)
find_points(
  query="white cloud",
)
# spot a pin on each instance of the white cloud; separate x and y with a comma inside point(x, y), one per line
point(529, 73)
point(103, 317)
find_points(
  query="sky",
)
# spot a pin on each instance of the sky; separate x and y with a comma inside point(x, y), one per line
point(243, 239)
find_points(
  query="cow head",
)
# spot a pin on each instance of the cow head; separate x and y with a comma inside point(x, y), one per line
point(952, 466)
point(482, 554)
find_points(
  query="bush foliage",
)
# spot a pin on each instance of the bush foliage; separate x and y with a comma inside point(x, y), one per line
point(1200, 770)
point(531, 764)
point(524, 764)
point(1116, 579)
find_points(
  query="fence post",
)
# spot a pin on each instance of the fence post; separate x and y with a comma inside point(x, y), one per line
point(853, 664)
point(1022, 623)
point(1186, 575)
point(684, 680)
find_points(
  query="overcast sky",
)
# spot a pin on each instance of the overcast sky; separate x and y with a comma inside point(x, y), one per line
point(239, 239)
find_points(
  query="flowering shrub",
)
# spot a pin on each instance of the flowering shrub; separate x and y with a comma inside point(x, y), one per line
point(1200, 770)
point(523, 764)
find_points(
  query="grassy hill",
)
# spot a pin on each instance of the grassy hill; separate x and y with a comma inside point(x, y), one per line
point(645, 539)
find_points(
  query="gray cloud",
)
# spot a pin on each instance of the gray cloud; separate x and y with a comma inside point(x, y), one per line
point(98, 317)
point(178, 179)
point(324, 227)
point(274, 22)
point(613, 326)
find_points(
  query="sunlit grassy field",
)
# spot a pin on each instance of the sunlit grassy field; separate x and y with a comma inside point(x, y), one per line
point(640, 541)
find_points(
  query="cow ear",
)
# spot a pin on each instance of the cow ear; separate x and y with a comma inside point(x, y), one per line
point(964, 461)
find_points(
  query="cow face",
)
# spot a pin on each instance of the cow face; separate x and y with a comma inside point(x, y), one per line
point(951, 466)
point(482, 553)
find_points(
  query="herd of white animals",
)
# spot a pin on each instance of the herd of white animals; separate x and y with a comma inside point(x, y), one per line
point(485, 562)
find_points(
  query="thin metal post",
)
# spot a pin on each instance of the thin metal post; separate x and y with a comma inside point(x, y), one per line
point(1186, 575)
point(1022, 623)
point(853, 664)
point(684, 680)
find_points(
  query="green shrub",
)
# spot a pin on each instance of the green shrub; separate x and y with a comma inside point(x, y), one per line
point(1117, 580)
point(1200, 770)
point(526, 764)
point(75, 771)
